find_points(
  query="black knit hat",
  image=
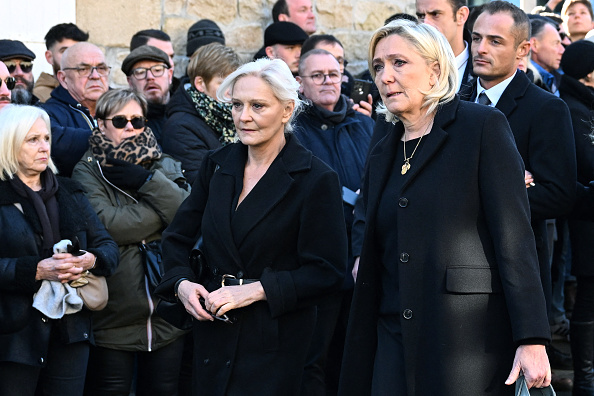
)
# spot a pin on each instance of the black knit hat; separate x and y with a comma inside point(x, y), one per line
point(11, 49)
point(286, 33)
point(144, 52)
point(201, 33)
point(578, 59)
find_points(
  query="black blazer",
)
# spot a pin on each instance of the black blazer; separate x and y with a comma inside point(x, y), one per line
point(468, 272)
point(289, 233)
point(542, 129)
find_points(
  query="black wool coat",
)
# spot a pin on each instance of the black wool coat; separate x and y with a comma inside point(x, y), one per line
point(580, 100)
point(24, 331)
point(541, 125)
point(467, 265)
point(289, 233)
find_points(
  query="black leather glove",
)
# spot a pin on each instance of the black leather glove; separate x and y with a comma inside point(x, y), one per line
point(125, 174)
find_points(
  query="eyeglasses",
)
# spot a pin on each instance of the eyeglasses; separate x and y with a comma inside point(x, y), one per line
point(25, 66)
point(319, 78)
point(121, 121)
point(157, 71)
point(87, 70)
point(10, 82)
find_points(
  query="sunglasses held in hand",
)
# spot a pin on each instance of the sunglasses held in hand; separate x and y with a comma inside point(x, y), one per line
point(121, 121)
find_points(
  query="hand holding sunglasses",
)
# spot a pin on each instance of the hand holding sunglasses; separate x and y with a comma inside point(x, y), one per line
point(121, 121)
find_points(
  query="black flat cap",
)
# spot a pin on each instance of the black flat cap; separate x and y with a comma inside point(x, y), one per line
point(144, 52)
point(286, 33)
point(11, 49)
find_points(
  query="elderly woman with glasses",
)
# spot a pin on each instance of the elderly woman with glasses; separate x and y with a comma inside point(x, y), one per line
point(45, 331)
point(136, 190)
point(274, 242)
point(448, 299)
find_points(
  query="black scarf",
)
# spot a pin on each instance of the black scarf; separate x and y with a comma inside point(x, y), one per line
point(342, 108)
point(46, 206)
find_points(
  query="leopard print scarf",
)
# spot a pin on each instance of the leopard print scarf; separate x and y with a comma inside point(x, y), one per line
point(141, 149)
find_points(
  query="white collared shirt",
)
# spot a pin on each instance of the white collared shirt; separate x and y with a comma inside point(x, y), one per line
point(493, 93)
point(461, 61)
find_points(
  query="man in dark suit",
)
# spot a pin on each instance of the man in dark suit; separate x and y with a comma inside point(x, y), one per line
point(449, 17)
point(540, 121)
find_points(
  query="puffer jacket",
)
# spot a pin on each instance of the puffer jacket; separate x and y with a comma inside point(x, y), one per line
point(187, 137)
point(129, 322)
point(72, 125)
point(24, 331)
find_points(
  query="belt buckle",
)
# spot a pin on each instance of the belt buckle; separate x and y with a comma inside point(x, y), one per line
point(224, 277)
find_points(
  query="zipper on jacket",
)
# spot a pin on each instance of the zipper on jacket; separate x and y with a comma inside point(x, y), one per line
point(92, 125)
point(113, 185)
point(149, 322)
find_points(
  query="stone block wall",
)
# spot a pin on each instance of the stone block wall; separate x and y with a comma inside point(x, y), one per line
point(111, 24)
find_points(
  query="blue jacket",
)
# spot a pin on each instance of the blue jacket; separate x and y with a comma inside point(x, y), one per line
point(72, 124)
point(341, 139)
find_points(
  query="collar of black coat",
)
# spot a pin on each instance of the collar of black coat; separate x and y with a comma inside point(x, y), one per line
point(294, 156)
point(580, 91)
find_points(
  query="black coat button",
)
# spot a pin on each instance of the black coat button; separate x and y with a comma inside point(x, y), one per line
point(215, 271)
point(240, 275)
point(85, 335)
point(206, 361)
point(403, 202)
point(41, 360)
point(228, 364)
point(404, 257)
point(407, 314)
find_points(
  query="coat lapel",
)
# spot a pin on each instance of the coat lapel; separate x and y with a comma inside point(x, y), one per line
point(271, 188)
point(516, 89)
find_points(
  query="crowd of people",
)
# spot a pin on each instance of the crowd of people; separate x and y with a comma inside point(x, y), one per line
point(278, 226)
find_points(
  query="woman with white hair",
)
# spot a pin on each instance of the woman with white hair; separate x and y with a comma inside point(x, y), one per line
point(448, 297)
point(274, 240)
point(45, 333)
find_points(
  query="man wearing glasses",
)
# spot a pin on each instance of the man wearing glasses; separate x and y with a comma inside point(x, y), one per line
point(339, 136)
point(7, 83)
point(150, 73)
point(19, 61)
point(83, 79)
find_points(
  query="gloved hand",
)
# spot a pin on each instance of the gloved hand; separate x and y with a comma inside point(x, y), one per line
point(125, 174)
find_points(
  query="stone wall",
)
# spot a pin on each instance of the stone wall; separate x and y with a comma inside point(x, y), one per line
point(111, 24)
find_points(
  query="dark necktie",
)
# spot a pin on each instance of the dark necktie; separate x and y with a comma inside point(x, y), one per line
point(484, 99)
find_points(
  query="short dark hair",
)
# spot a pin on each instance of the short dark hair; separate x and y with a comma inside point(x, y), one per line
point(521, 27)
point(538, 24)
point(401, 15)
point(64, 31)
point(142, 37)
point(316, 39)
point(317, 51)
point(280, 7)
point(457, 4)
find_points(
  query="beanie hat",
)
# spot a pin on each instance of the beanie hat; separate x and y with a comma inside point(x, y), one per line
point(286, 33)
point(144, 52)
point(201, 33)
point(578, 59)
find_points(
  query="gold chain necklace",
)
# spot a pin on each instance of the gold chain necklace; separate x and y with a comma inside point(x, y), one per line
point(406, 165)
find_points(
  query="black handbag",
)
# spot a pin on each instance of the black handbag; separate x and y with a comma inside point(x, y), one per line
point(152, 260)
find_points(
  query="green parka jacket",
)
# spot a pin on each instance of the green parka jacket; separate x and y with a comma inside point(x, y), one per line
point(129, 321)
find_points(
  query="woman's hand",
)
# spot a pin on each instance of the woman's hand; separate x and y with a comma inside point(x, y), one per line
point(532, 360)
point(528, 179)
point(189, 294)
point(227, 298)
point(363, 107)
point(64, 267)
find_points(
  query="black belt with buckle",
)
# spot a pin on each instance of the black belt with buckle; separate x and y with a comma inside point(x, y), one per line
point(230, 280)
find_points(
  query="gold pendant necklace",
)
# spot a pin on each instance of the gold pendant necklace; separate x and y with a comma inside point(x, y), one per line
point(406, 165)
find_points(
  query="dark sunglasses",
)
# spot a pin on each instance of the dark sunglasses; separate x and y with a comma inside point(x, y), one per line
point(121, 122)
point(26, 67)
point(10, 82)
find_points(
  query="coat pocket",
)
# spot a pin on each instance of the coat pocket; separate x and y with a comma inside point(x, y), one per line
point(464, 280)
